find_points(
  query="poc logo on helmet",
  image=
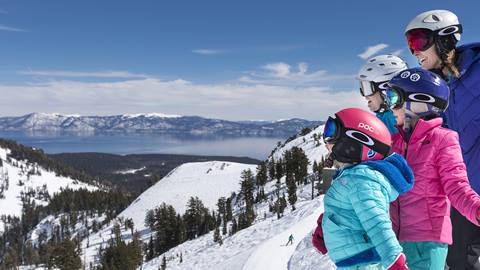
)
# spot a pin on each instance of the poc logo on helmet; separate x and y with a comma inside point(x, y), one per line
point(371, 153)
point(365, 126)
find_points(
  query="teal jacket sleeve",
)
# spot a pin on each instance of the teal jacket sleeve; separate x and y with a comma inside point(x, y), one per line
point(370, 203)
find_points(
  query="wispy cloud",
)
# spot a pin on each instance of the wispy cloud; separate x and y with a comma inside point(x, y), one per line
point(281, 73)
point(11, 29)
point(209, 51)
point(77, 74)
point(398, 52)
point(372, 50)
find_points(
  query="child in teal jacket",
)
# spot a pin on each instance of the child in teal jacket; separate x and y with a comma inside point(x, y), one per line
point(355, 227)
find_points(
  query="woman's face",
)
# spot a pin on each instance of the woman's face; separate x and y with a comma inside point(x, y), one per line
point(374, 101)
point(428, 59)
point(399, 116)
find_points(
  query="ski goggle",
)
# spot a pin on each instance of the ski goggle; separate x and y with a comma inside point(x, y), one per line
point(331, 130)
point(368, 88)
point(420, 39)
point(394, 98)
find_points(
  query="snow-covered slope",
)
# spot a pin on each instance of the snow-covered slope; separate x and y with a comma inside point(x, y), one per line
point(311, 143)
point(206, 180)
point(17, 177)
point(261, 246)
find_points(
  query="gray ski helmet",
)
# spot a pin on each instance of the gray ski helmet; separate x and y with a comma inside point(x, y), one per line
point(378, 70)
point(443, 21)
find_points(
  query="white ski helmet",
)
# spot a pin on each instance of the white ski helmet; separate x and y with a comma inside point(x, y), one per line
point(443, 21)
point(378, 70)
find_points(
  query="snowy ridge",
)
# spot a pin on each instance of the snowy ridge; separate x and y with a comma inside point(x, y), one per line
point(17, 177)
point(314, 149)
point(207, 180)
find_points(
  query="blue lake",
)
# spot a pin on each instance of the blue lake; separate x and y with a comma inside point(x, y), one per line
point(253, 147)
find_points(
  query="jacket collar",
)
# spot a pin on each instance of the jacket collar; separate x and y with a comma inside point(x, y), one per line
point(468, 54)
point(421, 128)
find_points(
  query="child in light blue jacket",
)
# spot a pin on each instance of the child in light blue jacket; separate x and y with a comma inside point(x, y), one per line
point(355, 227)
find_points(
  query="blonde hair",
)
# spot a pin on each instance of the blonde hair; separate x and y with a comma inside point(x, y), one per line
point(450, 64)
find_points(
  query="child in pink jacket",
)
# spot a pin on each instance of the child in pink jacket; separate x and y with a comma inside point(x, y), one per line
point(421, 217)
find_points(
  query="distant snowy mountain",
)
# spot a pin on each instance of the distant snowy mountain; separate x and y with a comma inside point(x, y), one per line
point(151, 123)
point(19, 177)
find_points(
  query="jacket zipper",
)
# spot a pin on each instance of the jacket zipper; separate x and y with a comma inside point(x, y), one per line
point(399, 219)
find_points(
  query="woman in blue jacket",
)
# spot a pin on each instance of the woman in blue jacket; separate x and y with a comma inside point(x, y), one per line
point(355, 227)
point(432, 37)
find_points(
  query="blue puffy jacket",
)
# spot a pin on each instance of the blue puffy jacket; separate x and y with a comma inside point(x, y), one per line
point(389, 120)
point(463, 112)
point(356, 222)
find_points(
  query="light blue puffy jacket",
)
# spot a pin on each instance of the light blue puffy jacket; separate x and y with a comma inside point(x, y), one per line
point(356, 221)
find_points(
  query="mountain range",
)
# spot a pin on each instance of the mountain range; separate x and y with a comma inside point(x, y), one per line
point(151, 124)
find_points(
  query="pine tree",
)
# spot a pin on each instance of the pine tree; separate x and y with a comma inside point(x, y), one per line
point(150, 249)
point(229, 212)
point(31, 255)
point(164, 263)
point(279, 170)
point(262, 174)
point(66, 256)
point(216, 235)
point(247, 188)
point(291, 190)
point(271, 169)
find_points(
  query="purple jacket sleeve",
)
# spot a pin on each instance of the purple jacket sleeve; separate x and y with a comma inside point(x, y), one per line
point(453, 175)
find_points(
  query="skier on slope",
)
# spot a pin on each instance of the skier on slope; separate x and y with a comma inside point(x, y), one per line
point(290, 240)
point(373, 77)
point(432, 38)
point(356, 227)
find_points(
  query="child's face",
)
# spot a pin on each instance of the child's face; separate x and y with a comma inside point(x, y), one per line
point(374, 101)
point(399, 115)
point(329, 147)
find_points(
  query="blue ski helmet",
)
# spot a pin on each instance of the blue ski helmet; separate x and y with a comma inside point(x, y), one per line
point(420, 86)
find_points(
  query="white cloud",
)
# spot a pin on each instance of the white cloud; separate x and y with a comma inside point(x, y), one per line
point(77, 74)
point(398, 52)
point(280, 70)
point(372, 50)
point(208, 51)
point(281, 73)
point(235, 100)
point(10, 29)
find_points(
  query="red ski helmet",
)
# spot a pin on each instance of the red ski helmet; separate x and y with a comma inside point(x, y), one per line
point(358, 136)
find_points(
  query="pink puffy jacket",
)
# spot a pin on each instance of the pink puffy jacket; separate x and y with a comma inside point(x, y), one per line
point(434, 155)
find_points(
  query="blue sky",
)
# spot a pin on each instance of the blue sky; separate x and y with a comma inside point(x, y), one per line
point(223, 59)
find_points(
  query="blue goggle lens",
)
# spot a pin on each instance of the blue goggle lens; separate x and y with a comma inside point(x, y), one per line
point(330, 130)
point(394, 98)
